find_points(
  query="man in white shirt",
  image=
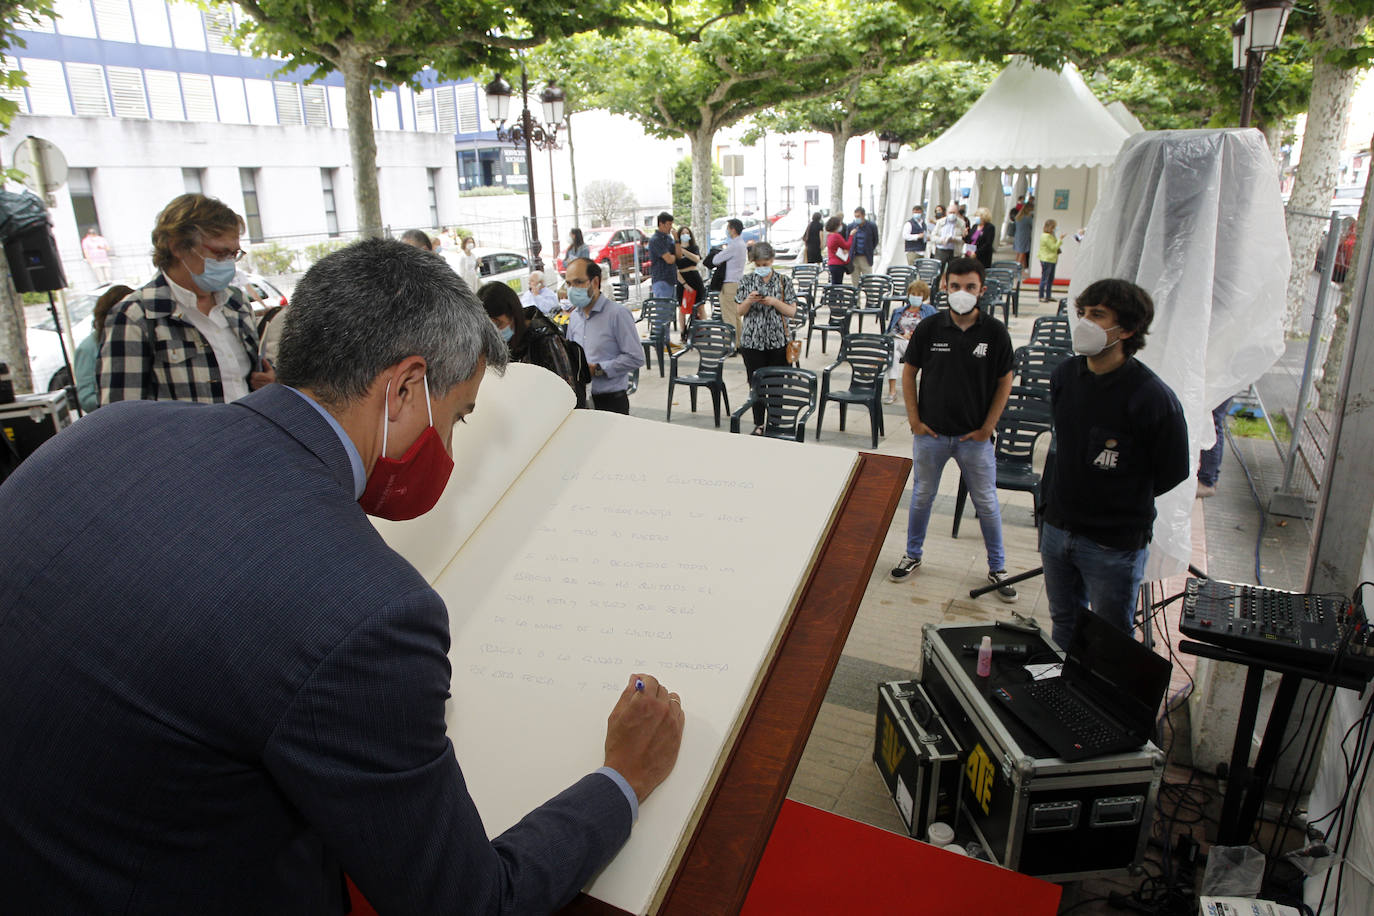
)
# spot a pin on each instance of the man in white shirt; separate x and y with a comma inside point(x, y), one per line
point(539, 295)
point(732, 258)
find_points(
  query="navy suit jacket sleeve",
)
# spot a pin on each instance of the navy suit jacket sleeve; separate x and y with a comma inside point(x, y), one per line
point(362, 751)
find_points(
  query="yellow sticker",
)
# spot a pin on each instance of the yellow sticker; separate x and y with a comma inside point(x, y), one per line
point(893, 751)
point(980, 771)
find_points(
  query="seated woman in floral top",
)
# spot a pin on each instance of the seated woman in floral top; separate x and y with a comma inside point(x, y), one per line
point(903, 322)
point(765, 300)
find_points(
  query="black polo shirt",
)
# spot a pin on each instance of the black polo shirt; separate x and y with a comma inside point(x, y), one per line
point(1120, 441)
point(959, 370)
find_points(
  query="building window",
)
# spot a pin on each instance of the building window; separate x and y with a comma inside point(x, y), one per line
point(14, 94)
point(127, 93)
point(424, 112)
point(433, 196)
point(248, 181)
point(199, 93)
point(83, 200)
point(193, 180)
point(47, 87)
point(288, 103)
point(863, 151)
point(467, 109)
point(150, 18)
point(74, 18)
point(751, 197)
point(446, 109)
point(219, 29)
point(316, 108)
point(164, 95)
point(331, 214)
point(813, 195)
point(89, 97)
point(114, 19)
point(809, 149)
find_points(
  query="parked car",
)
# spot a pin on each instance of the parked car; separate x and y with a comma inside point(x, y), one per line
point(45, 352)
point(614, 249)
point(787, 235)
point(502, 265)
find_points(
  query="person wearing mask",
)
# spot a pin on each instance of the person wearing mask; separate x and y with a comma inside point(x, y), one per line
point(901, 327)
point(981, 236)
point(689, 277)
point(606, 332)
point(84, 359)
point(1049, 257)
point(812, 238)
point(467, 264)
point(529, 334)
point(1120, 442)
point(731, 258)
point(863, 244)
point(539, 295)
point(964, 360)
point(835, 243)
point(259, 703)
point(576, 248)
point(766, 300)
point(663, 257)
point(188, 334)
point(948, 233)
point(914, 235)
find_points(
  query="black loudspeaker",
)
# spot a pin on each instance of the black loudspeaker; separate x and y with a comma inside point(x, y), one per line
point(34, 262)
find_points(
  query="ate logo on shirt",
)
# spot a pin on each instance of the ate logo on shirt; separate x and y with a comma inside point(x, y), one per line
point(981, 350)
point(1107, 458)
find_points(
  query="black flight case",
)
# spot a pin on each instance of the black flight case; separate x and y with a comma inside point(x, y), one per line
point(917, 757)
point(1032, 811)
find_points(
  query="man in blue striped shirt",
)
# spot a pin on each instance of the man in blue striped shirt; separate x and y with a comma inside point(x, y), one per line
point(606, 332)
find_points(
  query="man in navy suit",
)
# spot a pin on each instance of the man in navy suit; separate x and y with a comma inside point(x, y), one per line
point(221, 688)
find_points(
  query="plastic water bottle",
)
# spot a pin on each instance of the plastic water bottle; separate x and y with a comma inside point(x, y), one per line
point(985, 657)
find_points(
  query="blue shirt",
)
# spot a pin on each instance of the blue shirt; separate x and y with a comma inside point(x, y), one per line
point(733, 256)
point(355, 460)
point(660, 271)
point(607, 334)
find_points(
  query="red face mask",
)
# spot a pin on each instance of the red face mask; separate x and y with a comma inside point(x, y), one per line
point(400, 489)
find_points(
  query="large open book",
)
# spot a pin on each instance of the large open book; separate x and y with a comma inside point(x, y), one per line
point(574, 548)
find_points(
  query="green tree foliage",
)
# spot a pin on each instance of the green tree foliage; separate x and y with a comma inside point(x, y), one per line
point(377, 43)
point(13, 17)
point(682, 188)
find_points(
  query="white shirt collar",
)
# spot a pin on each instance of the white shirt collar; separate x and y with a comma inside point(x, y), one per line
point(187, 299)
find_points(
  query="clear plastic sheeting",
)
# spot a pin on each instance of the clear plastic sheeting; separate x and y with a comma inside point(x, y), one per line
point(1195, 217)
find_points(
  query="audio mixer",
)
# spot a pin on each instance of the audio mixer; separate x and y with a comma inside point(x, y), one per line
point(1303, 630)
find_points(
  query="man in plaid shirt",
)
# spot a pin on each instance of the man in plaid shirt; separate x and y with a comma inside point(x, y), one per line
point(187, 335)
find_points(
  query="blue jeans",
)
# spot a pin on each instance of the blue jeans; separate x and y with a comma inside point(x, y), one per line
point(1209, 462)
point(1047, 279)
point(1081, 574)
point(663, 289)
point(979, 466)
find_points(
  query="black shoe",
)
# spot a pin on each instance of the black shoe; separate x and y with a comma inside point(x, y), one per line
point(1006, 592)
point(904, 568)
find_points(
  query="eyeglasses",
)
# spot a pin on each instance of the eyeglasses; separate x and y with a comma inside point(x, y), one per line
point(580, 283)
point(224, 254)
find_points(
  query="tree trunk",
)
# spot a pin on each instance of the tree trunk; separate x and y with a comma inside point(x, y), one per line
point(362, 143)
point(1335, 354)
point(572, 165)
point(1328, 117)
point(841, 141)
point(14, 341)
point(701, 180)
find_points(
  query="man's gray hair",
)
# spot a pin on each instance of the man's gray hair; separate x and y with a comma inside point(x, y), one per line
point(761, 251)
point(369, 306)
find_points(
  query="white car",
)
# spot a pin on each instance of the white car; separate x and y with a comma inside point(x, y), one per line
point(45, 352)
point(786, 235)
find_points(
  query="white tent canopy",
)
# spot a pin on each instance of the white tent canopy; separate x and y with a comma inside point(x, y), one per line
point(1029, 120)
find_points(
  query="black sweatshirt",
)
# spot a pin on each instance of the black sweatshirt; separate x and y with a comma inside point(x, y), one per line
point(1121, 440)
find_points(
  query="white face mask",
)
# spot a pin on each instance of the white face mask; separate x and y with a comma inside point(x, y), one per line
point(1090, 338)
point(961, 302)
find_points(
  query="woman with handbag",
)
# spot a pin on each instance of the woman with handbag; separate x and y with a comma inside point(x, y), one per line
point(691, 289)
point(834, 244)
point(765, 300)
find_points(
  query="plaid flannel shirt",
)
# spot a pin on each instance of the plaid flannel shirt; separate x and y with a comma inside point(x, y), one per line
point(150, 353)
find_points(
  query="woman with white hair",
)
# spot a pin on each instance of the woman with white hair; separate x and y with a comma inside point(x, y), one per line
point(981, 236)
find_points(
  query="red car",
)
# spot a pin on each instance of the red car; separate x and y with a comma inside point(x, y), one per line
point(614, 249)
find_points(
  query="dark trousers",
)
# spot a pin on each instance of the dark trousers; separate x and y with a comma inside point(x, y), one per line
point(614, 401)
point(1047, 279)
point(755, 360)
point(1209, 462)
point(836, 273)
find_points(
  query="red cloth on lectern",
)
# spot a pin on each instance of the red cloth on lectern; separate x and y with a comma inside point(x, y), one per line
point(817, 862)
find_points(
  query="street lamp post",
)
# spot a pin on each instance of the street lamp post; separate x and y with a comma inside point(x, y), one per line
point(787, 147)
point(531, 135)
point(1254, 35)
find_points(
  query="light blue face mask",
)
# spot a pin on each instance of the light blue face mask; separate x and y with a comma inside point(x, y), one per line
point(579, 296)
point(507, 333)
point(915, 301)
point(763, 271)
point(216, 275)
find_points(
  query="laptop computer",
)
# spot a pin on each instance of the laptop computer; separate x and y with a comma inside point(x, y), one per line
point(1104, 701)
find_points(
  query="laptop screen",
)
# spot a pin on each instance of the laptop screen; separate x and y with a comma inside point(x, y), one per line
point(1117, 672)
